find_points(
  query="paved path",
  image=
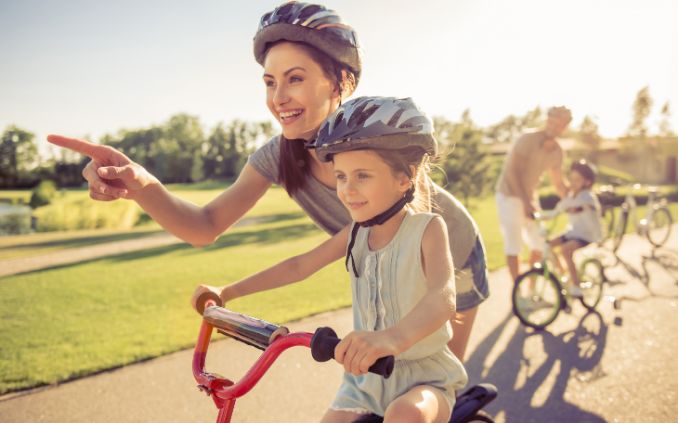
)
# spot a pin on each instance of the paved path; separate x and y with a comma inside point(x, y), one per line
point(74, 255)
point(615, 366)
point(13, 266)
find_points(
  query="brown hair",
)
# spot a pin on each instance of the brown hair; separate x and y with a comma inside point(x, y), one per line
point(402, 161)
point(295, 160)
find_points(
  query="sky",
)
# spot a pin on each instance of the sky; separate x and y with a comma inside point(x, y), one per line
point(90, 67)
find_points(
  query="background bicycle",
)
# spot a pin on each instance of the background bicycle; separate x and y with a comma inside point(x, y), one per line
point(539, 294)
point(655, 224)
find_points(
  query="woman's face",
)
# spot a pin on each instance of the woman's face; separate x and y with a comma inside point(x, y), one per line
point(298, 93)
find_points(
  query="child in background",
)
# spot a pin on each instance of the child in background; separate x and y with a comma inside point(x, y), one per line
point(583, 211)
point(399, 260)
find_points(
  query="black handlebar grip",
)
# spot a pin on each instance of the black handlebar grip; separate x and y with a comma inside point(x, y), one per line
point(322, 349)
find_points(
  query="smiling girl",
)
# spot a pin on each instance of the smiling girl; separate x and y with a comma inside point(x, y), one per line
point(398, 256)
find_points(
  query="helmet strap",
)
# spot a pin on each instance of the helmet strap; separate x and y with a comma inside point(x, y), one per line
point(376, 220)
point(309, 144)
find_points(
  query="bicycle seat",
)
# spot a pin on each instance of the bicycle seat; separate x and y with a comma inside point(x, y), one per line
point(471, 401)
point(465, 408)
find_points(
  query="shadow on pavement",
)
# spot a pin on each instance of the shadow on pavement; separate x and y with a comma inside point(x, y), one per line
point(532, 391)
point(660, 259)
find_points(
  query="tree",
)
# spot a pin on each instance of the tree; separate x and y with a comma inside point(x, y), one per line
point(466, 168)
point(18, 157)
point(168, 151)
point(227, 147)
point(589, 136)
point(511, 127)
point(174, 152)
point(641, 110)
point(665, 121)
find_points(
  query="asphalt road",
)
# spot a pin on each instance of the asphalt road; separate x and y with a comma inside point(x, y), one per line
point(615, 365)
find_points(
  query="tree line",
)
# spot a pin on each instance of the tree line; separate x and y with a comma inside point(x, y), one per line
point(180, 151)
point(176, 151)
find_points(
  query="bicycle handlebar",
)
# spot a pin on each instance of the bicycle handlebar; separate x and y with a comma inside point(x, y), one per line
point(272, 339)
point(322, 349)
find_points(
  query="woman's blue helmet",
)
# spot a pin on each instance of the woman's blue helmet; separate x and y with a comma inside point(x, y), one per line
point(312, 24)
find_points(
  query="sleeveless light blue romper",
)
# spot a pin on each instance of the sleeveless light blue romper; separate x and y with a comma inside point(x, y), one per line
point(391, 282)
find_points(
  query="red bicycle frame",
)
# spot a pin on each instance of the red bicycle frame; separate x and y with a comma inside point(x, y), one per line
point(223, 391)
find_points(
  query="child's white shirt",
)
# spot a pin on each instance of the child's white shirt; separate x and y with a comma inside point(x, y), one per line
point(586, 224)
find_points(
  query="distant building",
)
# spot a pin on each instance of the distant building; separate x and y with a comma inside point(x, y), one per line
point(651, 161)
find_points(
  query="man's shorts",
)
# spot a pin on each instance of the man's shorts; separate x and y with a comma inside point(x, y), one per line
point(471, 280)
point(515, 226)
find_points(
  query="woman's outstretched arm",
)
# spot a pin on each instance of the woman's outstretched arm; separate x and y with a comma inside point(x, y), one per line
point(111, 175)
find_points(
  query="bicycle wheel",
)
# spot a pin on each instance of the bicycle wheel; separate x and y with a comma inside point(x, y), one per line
point(659, 226)
point(591, 278)
point(620, 229)
point(536, 298)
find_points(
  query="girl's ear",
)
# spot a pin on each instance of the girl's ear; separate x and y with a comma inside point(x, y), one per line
point(406, 182)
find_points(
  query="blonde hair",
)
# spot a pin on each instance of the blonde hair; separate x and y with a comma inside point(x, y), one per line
point(403, 161)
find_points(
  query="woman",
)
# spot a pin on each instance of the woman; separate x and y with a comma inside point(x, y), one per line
point(311, 62)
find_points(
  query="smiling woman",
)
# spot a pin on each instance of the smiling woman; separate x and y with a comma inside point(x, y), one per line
point(311, 61)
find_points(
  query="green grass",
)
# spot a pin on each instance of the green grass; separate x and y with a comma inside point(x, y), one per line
point(75, 320)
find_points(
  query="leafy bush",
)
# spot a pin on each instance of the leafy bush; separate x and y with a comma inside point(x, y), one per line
point(83, 213)
point(43, 194)
point(15, 220)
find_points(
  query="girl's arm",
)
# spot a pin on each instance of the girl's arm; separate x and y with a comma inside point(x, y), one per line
point(284, 273)
point(359, 350)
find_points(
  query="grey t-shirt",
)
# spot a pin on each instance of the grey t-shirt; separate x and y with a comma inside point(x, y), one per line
point(325, 209)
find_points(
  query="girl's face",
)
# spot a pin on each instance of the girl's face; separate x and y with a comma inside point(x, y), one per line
point(298, 93)
point(366, 184)
point(577, 181)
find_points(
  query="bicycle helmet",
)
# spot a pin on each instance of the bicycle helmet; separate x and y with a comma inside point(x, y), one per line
point(311, 24)
point(586, 169)
point(375, 122)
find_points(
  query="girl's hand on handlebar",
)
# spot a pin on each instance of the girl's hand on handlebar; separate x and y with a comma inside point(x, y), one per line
point(203, 293)
point(360, 349)
point(111, 174)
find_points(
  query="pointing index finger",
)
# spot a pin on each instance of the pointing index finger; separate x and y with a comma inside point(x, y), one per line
point(94, 151)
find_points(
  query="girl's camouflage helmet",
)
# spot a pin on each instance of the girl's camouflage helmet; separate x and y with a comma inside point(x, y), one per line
point(375, 123)
point(311, 24)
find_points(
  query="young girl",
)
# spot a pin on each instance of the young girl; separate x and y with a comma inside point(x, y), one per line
point(398, 256)
point(583, 211)
point(311, 62)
